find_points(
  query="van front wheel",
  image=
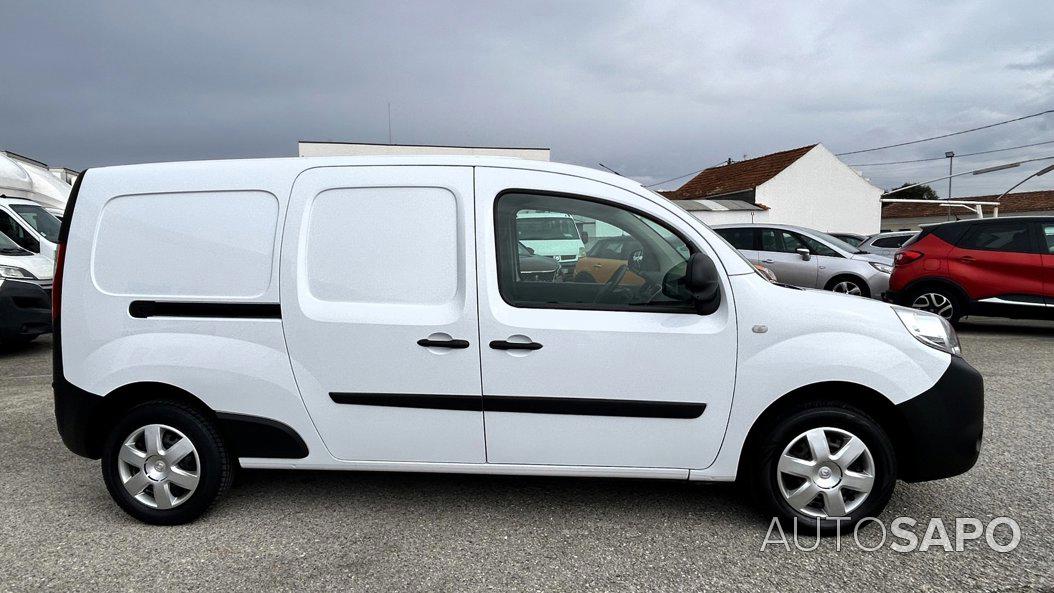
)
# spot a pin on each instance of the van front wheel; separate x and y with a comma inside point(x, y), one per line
point(826, 464)
point(165, 464)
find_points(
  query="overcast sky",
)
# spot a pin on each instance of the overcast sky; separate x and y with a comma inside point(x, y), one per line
point(652, 89)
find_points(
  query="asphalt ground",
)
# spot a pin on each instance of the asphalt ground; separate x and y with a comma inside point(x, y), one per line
point(298, 531)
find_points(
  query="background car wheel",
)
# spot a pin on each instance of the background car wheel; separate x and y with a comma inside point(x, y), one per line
point(849, 285)
point(165, 464)
point(825, 461)
point(937, 300)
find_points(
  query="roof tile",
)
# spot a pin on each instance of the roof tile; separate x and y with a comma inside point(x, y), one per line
point(740, 176)
point(1027, 201)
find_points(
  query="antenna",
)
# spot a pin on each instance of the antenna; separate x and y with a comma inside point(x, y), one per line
point(610, 169)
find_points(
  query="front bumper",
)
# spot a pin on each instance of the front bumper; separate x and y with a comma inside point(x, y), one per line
point(942, 428)
point(25, 310)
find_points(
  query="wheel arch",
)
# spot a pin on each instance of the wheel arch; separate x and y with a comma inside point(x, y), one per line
point(880, 408)
point(246, 436)
point(848, 276)
point(937, 281)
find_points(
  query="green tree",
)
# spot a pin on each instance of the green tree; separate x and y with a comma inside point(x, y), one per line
point(921, 192)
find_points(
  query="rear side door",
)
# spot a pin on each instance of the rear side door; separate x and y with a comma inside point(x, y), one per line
point(998, 260)
point(617, 374)
point(778, 252)
point(378, 294)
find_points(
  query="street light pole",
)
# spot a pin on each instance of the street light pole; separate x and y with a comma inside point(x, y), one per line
point(1039, 173)
point(951, 157)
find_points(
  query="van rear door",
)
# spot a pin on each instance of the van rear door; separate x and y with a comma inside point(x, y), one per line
point(378, 288)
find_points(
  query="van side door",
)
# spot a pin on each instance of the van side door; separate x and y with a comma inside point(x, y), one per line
point(378, 295)
point(620, 373)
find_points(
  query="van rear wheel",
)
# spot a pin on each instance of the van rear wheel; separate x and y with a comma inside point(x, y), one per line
point(165, 464)
point(826, 464)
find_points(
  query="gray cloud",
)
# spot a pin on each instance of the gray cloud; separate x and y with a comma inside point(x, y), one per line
point(652, 89)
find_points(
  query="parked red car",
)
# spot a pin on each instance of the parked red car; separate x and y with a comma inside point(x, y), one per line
point(1000, 267)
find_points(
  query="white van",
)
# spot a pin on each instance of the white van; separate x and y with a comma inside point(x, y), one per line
point(30, 225)
point(367, 314)
point(551, 234)
point(25, 293)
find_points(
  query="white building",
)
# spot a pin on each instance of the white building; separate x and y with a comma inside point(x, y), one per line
point(911, 216)
point(23, 177)
point(311, 148)
point(807, 186)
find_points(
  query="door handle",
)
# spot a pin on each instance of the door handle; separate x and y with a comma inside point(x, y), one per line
point(598, 265)
point(506, 345)
point(966, 259)
point(768, 261)
point(442, 343)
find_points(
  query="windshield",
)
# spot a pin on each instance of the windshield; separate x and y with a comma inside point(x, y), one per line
point(836, 242)
point(40, 219)
point(7, 246)
point(546, 229)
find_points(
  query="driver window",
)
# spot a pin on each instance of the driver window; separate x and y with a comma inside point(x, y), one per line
point(624, 262)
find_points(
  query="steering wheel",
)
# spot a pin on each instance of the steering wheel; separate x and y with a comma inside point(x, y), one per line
point(612, 283)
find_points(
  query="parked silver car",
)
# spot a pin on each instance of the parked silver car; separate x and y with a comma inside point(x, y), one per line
point(810, 259)
point(886, 243)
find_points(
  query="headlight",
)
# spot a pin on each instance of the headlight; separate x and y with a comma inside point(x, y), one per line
point(886, 268)
point(932, 330)
point(14, 272)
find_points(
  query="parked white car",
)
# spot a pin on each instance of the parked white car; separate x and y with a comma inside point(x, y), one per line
point(268, 314)
point(31, 226)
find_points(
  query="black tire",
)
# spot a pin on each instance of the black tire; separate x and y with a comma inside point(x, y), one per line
point(862, 286)
point(213, 463)
point(765, 479)
point(927, 298)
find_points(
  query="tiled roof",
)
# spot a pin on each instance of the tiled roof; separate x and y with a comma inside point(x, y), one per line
point(1027, 201)
point(744, 175)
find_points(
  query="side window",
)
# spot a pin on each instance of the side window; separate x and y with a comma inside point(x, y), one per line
point(1048, 236)
point(634, 263)
point(780, 241)
point(890, 241)
point(738, 238)
point(1001, 236)
point(817, 248)
point(17, 233)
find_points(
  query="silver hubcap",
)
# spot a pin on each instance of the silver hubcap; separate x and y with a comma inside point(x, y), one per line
point(159, 466)
point(934, 302)
point(826, 472)
point(847, 287)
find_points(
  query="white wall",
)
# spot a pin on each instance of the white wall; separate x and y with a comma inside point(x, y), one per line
point(350, 149)
point(821, 192)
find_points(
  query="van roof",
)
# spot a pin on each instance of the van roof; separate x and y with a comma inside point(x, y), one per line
point(296, 164)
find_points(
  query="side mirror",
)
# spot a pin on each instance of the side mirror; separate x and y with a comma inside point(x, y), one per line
point(704, 283)
point(530, 250)
point(804, 253)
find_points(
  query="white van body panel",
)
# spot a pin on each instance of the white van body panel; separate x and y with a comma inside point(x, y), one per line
point(595, 353)
point(797, 349)
point(232, 365)
point(354, 328)
point(243, 366)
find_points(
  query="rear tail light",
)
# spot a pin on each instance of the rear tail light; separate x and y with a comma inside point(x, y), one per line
point(906, 257)
point(56, 287)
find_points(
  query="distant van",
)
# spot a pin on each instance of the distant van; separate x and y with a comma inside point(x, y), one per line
point(551, 234)
point(372, 314)
point(29, 225)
